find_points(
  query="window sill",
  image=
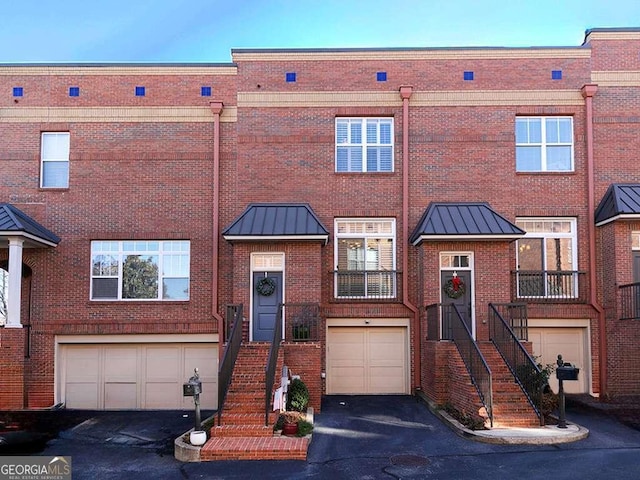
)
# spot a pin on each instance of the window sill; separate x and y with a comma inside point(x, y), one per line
point(567, 172)
point(138, 302)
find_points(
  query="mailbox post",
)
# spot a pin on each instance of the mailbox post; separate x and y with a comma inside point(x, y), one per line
point(193, 388)
point(565, 371)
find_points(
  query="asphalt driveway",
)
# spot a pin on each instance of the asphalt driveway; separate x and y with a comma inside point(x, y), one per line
point(357, 437)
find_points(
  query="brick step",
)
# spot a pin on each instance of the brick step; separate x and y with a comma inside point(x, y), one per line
point(255, 448)
point(251, 418)
point(242, 431)
point(242, 408)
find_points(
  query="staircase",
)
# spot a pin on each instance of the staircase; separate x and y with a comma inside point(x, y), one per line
point(510, 405)
point(242, 434)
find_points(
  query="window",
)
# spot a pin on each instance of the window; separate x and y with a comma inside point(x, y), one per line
point(55, 160)
point(544, 144)
point(364, 145)
point(365, 258)
point(140, 270)
point(547, 258)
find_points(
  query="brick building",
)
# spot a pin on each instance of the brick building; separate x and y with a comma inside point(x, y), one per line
point(367, 190)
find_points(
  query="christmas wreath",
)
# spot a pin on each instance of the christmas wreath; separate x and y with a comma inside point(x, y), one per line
point(266, 286)
point(454, 288)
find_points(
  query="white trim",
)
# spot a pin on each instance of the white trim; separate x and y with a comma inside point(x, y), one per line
point(620, 216)
point(275, 238)
point(470, 269)
point(35, 238)
point(462, 238)
point(253, 269)
point(140, 338)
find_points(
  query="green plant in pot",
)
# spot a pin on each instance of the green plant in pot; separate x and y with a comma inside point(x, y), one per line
point(297, 396)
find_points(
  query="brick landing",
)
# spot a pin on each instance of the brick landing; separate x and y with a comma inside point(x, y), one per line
point(255, 448)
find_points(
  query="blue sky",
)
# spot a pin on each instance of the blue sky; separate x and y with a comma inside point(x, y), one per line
point(207, 30)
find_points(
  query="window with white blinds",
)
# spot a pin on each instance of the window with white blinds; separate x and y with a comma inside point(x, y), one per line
point(364, 144)
point(54, 169)
point(365, 258)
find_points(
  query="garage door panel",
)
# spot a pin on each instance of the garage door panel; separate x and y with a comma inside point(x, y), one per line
point(120, 396)
point(120, 364)
point(162, 364)
point(162, 395)
point(82, 396)
point(367, 360)
point(83, 364)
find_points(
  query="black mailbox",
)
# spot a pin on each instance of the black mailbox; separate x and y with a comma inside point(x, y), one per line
point(567, 372)
point(192, 388)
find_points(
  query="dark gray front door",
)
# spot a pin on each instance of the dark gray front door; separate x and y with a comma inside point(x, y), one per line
point(265, 307)
point(463, 302)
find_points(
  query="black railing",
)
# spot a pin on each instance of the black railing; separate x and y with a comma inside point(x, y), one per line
point(272, 362)
point(234, 340)
point(477, 367)
point(549, 285)
point(525, 370)
point(630, 301)
point(302, 322)
point(439, 321)
point(365, 283)
point(515, 314)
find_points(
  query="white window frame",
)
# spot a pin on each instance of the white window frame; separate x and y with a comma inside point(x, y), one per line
point(367, 230)
point(544, 235)
point(60, 156)
point(116, 249)
point(364, 145)
point(544, 145)
point(4, 295)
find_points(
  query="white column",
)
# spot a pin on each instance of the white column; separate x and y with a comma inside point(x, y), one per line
point(15, 283)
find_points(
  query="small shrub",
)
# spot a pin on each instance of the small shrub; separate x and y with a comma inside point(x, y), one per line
point(297, 396)
point(304, 428)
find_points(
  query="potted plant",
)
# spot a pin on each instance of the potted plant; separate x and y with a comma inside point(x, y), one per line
point(297, 396)
point(290, 423)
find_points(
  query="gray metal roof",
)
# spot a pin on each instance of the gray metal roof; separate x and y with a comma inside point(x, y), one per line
point(14, 222)
point(463, 221)
point(621, 201)
point(277, 221)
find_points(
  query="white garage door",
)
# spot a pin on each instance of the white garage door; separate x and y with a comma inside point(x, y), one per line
point(367, 360)
point(136, 376)
point(548, 342)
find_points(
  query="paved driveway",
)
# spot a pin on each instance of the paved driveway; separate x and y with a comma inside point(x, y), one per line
point(358, 437)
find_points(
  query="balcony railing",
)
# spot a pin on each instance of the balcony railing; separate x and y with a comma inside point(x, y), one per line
point(630, 301)
point(365, 283)
point(548, 286)
point(302, 322)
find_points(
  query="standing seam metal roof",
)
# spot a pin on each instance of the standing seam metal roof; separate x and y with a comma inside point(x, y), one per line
point(619, 200)
point(14, 220)
point(277, 220)
point(463, 220)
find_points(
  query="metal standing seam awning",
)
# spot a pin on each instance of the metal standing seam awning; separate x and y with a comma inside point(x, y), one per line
point(15, 223)
point(620, 202)
point(463, 221)
point(277, 222)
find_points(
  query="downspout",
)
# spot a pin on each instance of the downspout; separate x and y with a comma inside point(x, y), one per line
point(588, 91)
point(405, 94)
point(216, 109)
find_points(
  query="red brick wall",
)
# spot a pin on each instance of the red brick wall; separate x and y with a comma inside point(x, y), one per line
point(12, 366)
point(304, 359)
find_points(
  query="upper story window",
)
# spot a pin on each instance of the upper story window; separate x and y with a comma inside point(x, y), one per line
point(365, 258)
point(140, 270)
point(54, 155)
point(547, 258)
point(544, 144)
point(364, 144)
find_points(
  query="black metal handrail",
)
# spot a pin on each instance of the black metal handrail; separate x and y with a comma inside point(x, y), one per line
point(548, 286)
point(473, 359)
point(302, 322)
point(439, 321)
point(515, 314)
point(366, 283)
point(234, 340)
point(629, 301)
point(525, 370)
point(272, 362)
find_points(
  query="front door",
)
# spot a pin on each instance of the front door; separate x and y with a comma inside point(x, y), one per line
point(267, 295)
point(456, 289)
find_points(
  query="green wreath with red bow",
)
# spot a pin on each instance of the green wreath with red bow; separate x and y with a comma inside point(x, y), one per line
point(454, 287)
